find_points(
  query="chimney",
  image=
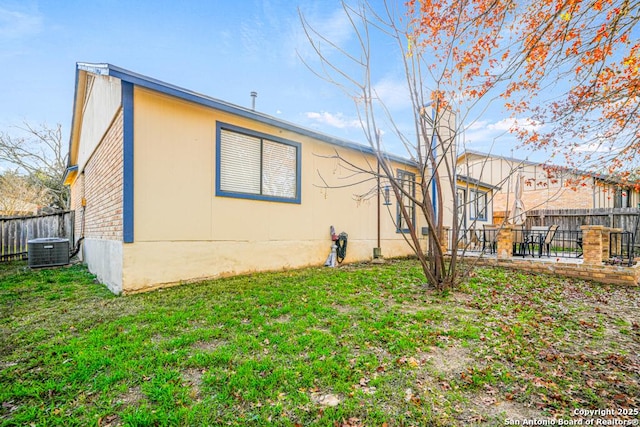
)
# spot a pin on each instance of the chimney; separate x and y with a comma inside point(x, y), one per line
point(254, 95)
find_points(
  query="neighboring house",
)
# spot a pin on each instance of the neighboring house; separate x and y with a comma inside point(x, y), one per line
point(171, 186)
point(545, 186)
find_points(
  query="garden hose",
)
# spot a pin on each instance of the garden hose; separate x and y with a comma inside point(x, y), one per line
point(341, 250)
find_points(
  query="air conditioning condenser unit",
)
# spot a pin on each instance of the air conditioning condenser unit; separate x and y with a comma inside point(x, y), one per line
point(48, 252)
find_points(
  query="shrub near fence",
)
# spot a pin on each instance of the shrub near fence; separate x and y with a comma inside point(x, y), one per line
point(15, 232)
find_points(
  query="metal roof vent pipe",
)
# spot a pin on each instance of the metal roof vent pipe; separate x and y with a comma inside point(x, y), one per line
point(254, 95)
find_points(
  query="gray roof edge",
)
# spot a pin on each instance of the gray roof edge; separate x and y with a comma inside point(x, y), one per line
point(182, 93)
point(477, 182)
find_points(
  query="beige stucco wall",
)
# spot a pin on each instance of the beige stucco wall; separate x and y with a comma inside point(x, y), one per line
point(103, 97)
point(184, 232)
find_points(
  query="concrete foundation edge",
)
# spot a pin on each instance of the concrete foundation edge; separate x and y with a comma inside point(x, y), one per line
point(104, 259)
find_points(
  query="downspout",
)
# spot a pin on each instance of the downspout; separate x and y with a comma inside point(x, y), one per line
point(78, 246)
point(377, 251)
point(378, 199)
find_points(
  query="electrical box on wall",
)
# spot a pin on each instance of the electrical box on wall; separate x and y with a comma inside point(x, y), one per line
point(48, 252)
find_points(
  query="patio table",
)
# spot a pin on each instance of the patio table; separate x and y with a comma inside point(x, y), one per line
point(534, 236)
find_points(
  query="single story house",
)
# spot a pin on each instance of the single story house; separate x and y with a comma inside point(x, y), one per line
point(171, 186)
point(545, 186)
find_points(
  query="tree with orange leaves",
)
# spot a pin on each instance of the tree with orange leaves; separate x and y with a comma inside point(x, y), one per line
point(571, 67)
point(565, 70)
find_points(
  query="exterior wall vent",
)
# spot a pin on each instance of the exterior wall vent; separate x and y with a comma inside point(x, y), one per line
point(48, 252)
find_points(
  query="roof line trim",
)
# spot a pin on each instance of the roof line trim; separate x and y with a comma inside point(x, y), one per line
point(106, 69)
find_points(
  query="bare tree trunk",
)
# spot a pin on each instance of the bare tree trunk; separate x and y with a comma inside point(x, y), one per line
point(431, 149)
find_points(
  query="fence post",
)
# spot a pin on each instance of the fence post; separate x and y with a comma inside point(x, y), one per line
point(592, 246)
point(505, 242)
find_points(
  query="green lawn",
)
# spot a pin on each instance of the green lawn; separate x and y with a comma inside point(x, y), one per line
point(359, 345)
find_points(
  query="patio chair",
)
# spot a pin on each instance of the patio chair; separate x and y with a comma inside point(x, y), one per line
point(520, 241)
point(475, 239)
point(545, 245)
point(579, 244)
point(489, 237)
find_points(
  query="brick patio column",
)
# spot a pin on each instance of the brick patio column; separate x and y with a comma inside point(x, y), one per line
point(444, 240)
point(505, 242)
point(606, 238)
point(592, 244)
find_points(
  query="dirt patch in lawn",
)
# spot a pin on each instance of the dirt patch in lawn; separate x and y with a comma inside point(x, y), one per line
point(285, 318)
point(158, 339)
point(133, 396)
point(208, 346)
point(192, 378)
point(462, 298)
point(343, 309)
point(485, 408)
point(411, 308)
point(448, 360)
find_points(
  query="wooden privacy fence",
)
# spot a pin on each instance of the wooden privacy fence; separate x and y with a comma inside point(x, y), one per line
point(573, 219)
point(15, 232)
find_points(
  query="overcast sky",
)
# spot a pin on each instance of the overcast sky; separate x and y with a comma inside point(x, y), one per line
point(221, 48)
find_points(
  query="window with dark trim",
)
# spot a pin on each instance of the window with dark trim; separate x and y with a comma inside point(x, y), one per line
point(461, 199)
point(622, 199)
point(407, 181)
point(252, 165)
point(477, 205)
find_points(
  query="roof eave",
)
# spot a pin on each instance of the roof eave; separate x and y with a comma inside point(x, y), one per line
point(76, 119)
point(179, 92)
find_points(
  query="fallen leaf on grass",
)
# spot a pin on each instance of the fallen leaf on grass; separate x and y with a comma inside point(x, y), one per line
point(351, 422)
point(489, 400)
point(477, 419)
point(408, 394)
point(109, 420)
point(325, 399)
point(411, 361)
